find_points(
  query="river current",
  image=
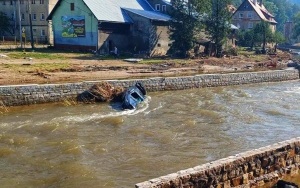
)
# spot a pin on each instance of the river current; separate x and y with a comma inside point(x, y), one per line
point(97, 145)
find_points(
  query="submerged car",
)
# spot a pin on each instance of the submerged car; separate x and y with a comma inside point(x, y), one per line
point(133, 96)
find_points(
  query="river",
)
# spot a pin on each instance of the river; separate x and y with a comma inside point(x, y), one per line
point(97, 145)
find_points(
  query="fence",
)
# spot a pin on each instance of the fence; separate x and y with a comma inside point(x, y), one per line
point(14, 41)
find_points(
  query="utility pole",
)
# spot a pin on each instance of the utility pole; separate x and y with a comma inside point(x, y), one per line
point(30, 22)
point(20, 25)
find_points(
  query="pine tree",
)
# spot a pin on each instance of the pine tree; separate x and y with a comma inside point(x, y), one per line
point(218, 24)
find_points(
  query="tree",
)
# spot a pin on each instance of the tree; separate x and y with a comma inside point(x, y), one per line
point(263, 34)
point(218, 24)
point(246, 38)
point(296, 32)
point(277, 39)
point(186, 24)
point(5, 26)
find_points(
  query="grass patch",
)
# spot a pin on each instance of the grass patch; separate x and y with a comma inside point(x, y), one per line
point(50, 67)
point(43, 53)
point(35, 55)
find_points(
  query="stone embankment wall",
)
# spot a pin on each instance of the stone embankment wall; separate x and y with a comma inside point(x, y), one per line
point(254, 168)
point(33, 94)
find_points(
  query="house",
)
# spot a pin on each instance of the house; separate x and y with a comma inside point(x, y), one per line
point(163, 6)
point(19, 11)
point(251, 12)
point(130, 25)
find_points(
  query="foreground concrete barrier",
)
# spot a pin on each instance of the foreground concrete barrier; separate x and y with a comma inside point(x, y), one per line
point(32, 94)
point(253, 168)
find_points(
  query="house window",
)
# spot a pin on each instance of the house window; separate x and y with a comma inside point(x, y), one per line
point(250, 25)
point(33, 16)
point(11, 2)
point(43, 33)
point(34, 30)
point(32, 1)
point(21, 1)
point(41, 1)
point(249, 14)
point(241, 15)
point(72, 6)
point(3, 3)
point(157, 7)
point(23, 16)
point(164, 8)
point(42, 16)
point(12, 16)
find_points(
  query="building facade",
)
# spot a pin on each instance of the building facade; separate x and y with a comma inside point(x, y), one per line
point(251, 12)
point(161, 6)
point(131, 26)
point(20, 11)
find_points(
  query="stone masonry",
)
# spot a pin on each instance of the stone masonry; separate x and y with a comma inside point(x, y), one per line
point(251, 169)
point(14, 95)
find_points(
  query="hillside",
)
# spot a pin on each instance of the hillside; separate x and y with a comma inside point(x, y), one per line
point(295, 1)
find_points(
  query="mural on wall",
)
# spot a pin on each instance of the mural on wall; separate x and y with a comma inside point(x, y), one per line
point(73, 26)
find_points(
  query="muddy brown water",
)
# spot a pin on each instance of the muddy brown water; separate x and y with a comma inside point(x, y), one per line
point(98, 145)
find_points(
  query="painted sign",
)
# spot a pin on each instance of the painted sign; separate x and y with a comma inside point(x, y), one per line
point(73, 26)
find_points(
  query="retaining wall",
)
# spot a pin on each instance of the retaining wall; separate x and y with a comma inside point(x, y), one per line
point(259, 167)
point(31, 94)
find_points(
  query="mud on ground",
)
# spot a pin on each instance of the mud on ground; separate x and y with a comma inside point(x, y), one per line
point(18, 69)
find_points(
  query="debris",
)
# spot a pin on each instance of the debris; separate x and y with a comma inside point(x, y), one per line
point(42, 74)
point(133, 60)
point(101, 92)
point(3, 56)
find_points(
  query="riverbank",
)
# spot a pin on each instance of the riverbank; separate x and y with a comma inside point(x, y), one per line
point(45, 66)
point(14, 95)
point(261, 167)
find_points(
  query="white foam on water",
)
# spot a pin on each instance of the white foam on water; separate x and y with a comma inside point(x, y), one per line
point(161, 104)
point(293, 90)
point(96, 116)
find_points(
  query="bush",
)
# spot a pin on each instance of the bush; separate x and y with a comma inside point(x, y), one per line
point(232, 51)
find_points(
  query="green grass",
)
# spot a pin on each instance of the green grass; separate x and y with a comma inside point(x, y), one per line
point(42, 53)
point(36, 67)
point(35, 55)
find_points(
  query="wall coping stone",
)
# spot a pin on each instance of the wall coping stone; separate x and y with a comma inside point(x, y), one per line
point(244, 156)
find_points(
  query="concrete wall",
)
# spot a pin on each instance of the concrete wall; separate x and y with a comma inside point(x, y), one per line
point(33, 94)
point(259, 167)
